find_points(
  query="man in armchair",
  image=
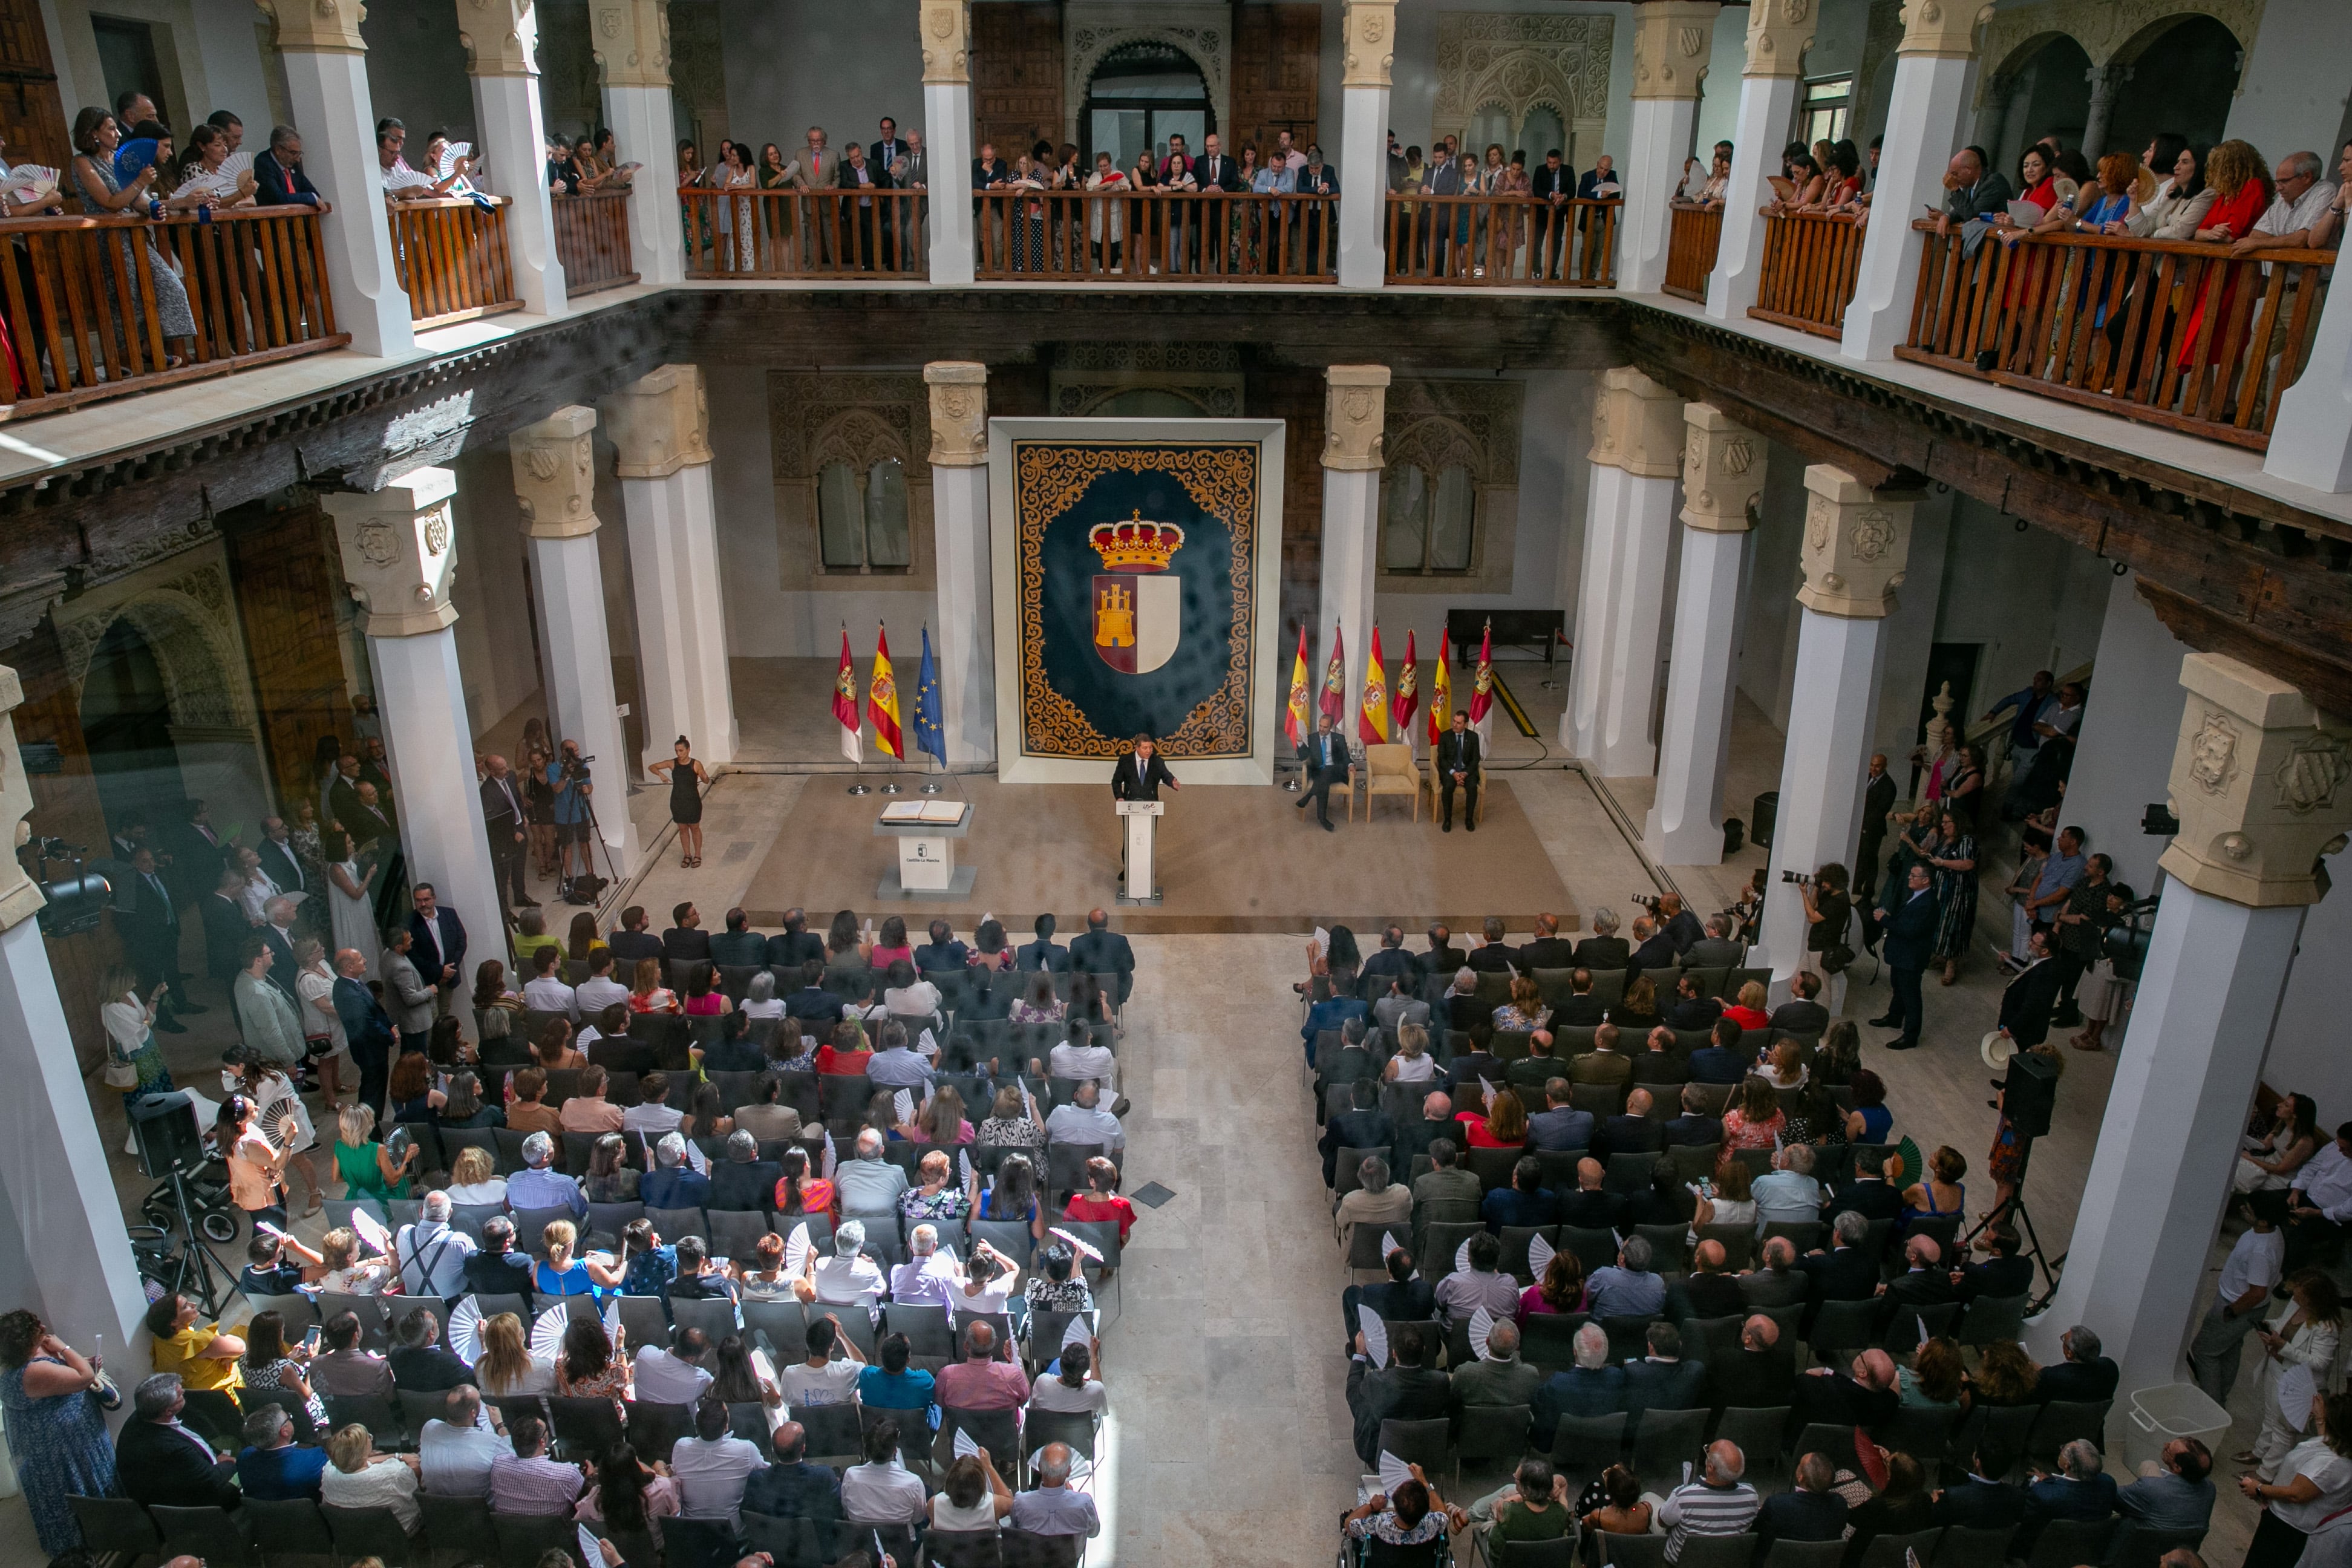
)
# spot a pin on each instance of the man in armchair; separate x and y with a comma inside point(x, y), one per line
point(1324, 761)
point(1457, 761)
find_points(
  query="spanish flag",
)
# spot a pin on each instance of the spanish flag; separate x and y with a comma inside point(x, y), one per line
point(1298, 717)
point(882, 699)
point(1373, 717)
point(844, 704)
point(1408, 692)
point(1482, 693)
point(1335, 679)
point(1440, 698)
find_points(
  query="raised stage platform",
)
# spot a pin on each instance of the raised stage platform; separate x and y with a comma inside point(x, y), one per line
point(1232, 858)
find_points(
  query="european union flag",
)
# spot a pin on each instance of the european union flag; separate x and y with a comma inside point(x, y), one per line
point(928, 735)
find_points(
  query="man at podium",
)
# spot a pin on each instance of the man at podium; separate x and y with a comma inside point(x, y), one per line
point(1141, 773)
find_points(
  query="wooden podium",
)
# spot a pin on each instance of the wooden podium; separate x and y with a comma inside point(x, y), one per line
point(1141, 885)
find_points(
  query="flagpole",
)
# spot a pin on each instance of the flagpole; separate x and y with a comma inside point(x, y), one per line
point(858, 785)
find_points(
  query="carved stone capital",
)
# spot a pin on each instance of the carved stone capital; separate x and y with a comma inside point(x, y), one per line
point(1355, 416)
point(20, 897)
point(400, 552)
point(555, 474)
point(630, 40)
point(1857, 544)
point(1637, 425)
point(1672, 40)
point(501, 37)
point(316, 27)
point(1368, 33)
point(1943, 28)
point(1779, 33)
point(959, 413)
point(2261, 782)
point(660, 423)
point(1723, 470)
point(947, 31)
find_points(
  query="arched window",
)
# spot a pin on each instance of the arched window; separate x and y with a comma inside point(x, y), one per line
point(1451, 521)
point(840, 517)
point(862, 518)
point(1142, 94)
point(1404, 517)
point(886, 516)
point(1427, 527)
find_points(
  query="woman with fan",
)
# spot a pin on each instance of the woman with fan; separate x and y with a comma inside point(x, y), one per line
point(506, 1364)
point(256, 1182)
point(590, 1361)
point(279, 1115)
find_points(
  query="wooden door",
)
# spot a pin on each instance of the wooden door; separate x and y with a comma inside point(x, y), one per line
point(1278, 50)
point(1016, 75)
point(32, 116)
point(287, 585)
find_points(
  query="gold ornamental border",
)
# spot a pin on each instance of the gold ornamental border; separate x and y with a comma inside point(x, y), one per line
point(1221, 478)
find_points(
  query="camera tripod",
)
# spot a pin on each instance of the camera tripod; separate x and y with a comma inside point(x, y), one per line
point(566, 888)
point(191, 1269)
point(2014, 1208)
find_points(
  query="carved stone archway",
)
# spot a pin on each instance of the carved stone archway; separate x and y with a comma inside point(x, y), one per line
point(1523, 62)
point(1093, 28)
point(2112, 32)
point(188, 617)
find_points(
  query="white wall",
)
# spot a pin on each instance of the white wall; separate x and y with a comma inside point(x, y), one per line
point(208, 50)
point(1911, 629)
point(416, 70)
point(791, 64)
point(2130, 724)
point(2033, 601)
point(1718, 105)
point(1768, 655)
point(1413, 102)
point(2306, 1054)
point(2293, 91)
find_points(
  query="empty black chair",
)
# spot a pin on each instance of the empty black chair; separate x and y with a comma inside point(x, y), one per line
point(110, 1524)
point(698, 1543)
point(210, 1534)
point(292, 1529)
point(375, 1533)
point(526, 1537)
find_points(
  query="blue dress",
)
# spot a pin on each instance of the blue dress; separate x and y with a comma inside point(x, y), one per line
point(60, 1448)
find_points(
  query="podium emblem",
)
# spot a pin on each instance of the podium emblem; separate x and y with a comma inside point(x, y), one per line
point(1138, 608)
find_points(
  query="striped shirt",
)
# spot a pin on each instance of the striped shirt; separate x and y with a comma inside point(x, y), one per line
point(537, 1485)
point(1700, 1508)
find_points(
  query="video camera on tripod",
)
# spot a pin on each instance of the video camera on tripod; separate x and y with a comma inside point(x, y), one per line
point(73, 904)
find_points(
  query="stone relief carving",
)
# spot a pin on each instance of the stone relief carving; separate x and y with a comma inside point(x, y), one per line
point(1093, 28)
point(2213, 754)
point(1522, 63)
point(815, 418)
point(2257, 781)
point(188, 617)
point(2110, 31)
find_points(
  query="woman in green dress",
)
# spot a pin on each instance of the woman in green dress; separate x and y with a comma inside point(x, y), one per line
point(368, 1169)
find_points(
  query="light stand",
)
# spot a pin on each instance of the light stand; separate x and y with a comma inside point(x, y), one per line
point(595, 838)
point(2015, 1204)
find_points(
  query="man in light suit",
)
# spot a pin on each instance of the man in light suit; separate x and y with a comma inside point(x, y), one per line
point(440, 945)
point(1457, 763)
point(1324, 759)
point(502, 815)
point(1909, 938)
point(815, 169)
point(410, 997)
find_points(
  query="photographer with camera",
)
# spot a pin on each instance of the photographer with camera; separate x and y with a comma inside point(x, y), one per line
point(1827, 911)
point(568, 775)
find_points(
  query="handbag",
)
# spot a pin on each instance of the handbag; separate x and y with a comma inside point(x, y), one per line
point(120, 1072)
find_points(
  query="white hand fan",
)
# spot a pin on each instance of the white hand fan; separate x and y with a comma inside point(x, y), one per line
point(1486, 1088)
point(902, 1106)
point(796, 1248)
point(1388, 1243)
point(26, 178)
point(449, 156)
point(964, 1446)
point(1081, 1472)
point(235, 167)
point(1028, 1102)
point(963, 1169)
point(613, 1321)
point(2296, 1388)
point(466, 1331)
point(547, 1332)
point(591, 1551)
point(270, 1230)
point(1395, 1472)
point(209, 182)
point(401, 177)
point(696, 1159)
point(1923, 1329)
point(370, 1229)
point(1376, 1335)
point(1482, 1323)
point(1539, 1255)
point(1084, 1250)
point(1462, 1257)
point(926, 1044)
point(1079, 1332)
point(763, 1364)
point(825, 1167)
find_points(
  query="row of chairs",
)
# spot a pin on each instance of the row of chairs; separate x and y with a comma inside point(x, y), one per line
point(2063, 1544)
point(1557, 985)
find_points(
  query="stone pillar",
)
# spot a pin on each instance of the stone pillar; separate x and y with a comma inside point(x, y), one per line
point(555, 487)
point(2310, 439)
point(2258, 781)
point(947, 137)
point(1857, 542)
point(54, 1176)
point(1923, 131)
point(1355, 451)
point(399, 555)
point(1992, 112)
point(1368, 51)
point(1672, 40)
point(965, 646)
point(327, 89)
point(501, 40)
point(1723, 473)
point(1779, 33)
point(1637, 452)
point(661, 427)
point(2106, 82)
point(632, 48)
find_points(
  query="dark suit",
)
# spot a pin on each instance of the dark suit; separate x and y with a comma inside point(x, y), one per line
point(1547, 952)
point(1458, 754)
point(2028, 1001)
point(1756, 1380)
point(1353, 1130)
point(1802, 1017)
point(1841, 1274)
point(1583, 1391)
point(285, 868)
point(1323, 760)
point(150, 928)
point(1909, 939)
point(1492, 959)
point(1043, 954)
point(1996, 1278)
point(1836, 1398)
point(1920, 1288)
point(1545, 182)
point(1388, 960)
point(685, 944)
point(2083, 1381)
point(1800, 1516)
point(1766, 1289)
point(1405, 1392)
point(1322, 182)
point(502, 818)
point(1651, 1384)
point(1415, 1137)
point(743, 1185)
point(1655, 956)
point(1696, 1013)
point(1871, 1199)
point(1714, 1064)
point(631, 946)
point(1692, 1131)
point(813, 1002)
point(1981, 1504)
point(162, 1466)
point(1441, 960)
point(1129, 781)
point(1591, 1209)
point(1626, 1134)
point(1581, 1011)
point(225, 930)
point(788, 950)
point(1104, 953)
point(368, 1029)
point(737, 949)
point(1707, 1296)
point(1877, 801)
point(436, 943)
point(1603, 952)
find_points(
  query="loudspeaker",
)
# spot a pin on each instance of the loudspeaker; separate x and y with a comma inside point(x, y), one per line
point(2029, 1092)
point(169, 1139)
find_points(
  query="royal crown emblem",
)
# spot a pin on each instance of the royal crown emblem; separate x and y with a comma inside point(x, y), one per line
point(1136, 545)
point(1139, 605)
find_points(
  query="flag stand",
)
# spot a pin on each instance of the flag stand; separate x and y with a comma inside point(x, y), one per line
point(890, 788)
point(861, 786)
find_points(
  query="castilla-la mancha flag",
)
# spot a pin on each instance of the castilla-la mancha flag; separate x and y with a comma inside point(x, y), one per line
point(844, 704)
point(1373, 717)
point(1299, 717)
point(1482, 693)
point(1408, 692)
point(1335, 679)
point(882, 699)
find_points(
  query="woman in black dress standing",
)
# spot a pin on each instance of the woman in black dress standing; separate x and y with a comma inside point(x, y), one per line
point(687, 778)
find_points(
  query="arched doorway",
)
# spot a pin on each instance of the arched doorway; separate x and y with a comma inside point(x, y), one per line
point(2052, 97)
point(2177, 82)
point(126, 722)
point(1140, 95)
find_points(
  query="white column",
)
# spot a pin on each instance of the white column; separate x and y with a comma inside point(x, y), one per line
point(1672, 40)
point(54, 1175)
point(964, 634)
point(1992, 109)
point(2257, 781)
point(660, 427)
point(1355, 411)
point(399, 553)
point(555, 485)
point(1856, 543)
point(327, 89)
point(947, 133)
point(1779, 33)
point(501, 39)
point(1923, 131)
point(2311, 440)
point(2106, 82)
point(1723, 472)
point(1596, 606)
point(632, 48)
point(1369, 51)
point(1638, 431)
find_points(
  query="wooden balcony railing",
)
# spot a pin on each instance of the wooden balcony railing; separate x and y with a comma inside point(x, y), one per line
point(1172, 236)
point(1502, 240)
point(1690, 249)
point(592, 241)
point(2171, 332)
point(80, 302)
point(453, 259)
point(1809, 262)
point(804, 234)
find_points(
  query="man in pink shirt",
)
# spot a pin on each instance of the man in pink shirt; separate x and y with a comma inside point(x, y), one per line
point(981, 1381)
